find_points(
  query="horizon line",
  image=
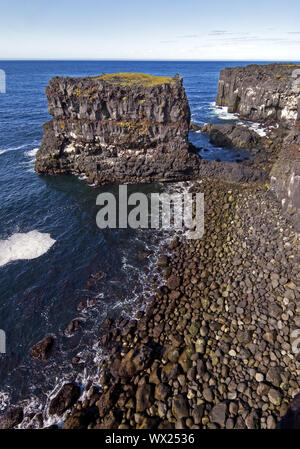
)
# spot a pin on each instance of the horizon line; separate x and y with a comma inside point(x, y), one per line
point(148, 60)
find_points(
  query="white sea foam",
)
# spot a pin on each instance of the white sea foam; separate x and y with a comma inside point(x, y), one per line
point(259, 129)
point(31, 153)
point(81, 176)
point(4, 400)
point(222, 112)
point(24, 246)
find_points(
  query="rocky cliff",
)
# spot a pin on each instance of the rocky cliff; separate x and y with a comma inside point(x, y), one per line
point(268, 94)
point(117, 128)
point(263, 93)
point(285, 176)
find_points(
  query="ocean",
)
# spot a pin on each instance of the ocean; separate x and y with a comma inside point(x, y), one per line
point(49, 242)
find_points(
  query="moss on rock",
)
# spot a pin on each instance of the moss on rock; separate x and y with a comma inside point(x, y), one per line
point(128, 79)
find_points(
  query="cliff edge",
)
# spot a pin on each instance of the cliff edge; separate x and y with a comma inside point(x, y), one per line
point(270, 94)
point(263, 93)
point(285, 176)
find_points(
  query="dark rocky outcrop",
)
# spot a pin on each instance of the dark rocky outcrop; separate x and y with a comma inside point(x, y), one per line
point(269, 94)
point(285, 176)
point(237, 136)
point(81, 419)
point(11, 418)
point(231, 171)
point(264, 93)
point(73, 326)
point(118, 128)
point(41, 349)
point(65, 398)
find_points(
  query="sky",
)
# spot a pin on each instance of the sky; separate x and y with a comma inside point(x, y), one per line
point(152, 29)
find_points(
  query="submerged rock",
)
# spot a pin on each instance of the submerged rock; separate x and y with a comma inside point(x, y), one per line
point(143, 255)
point(73, 326)
point(41, 349)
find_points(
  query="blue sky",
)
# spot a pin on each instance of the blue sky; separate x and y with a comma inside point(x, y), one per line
point(152, 29)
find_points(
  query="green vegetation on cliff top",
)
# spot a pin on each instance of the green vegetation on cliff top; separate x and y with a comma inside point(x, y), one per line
point(128, 79)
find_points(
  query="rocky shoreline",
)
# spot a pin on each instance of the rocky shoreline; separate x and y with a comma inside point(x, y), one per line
point(215, 346)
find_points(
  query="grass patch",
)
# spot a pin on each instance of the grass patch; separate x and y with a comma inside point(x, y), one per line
point(128, 79)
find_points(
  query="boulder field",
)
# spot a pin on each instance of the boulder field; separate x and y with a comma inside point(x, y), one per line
point(214, 347)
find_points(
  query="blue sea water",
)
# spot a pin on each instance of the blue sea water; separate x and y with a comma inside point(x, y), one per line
point(40, 296)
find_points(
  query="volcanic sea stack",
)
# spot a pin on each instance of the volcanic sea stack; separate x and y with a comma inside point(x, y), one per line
point(125, 127)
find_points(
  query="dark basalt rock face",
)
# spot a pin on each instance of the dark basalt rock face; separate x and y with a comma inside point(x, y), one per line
point(285, 177)
point(118, 128)
point(65, 398)
point(268, 94)
point(11, 418)
point(263, 93)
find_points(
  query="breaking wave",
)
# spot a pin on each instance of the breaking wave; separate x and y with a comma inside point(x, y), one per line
point(24, 246)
